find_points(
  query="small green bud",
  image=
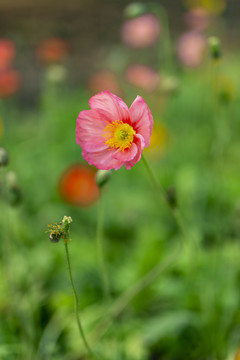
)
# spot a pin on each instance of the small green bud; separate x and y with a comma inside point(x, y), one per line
point(135, 9)
point(4, 157)
point(66, 221)
point(14, 194)
point(214, 44)
point(102, 177)
point(56, 74)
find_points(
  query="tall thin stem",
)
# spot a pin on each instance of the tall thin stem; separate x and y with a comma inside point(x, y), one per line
point(100, 249)
point(162, 195)
point(90, 352)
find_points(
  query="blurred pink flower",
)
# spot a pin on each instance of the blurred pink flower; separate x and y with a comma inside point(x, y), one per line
point(7, 53)
point(197, 19)
point(143, 77)
point(190, 49)
point(9, 82)
point(104, 80)
point(110, 134)
point(141, 32)
point(53, 50)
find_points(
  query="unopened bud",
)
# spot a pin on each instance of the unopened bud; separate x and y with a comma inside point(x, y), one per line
point(56, 73)
point(102, 177)
point(172, 197)
point(169, 85)
point(135, 9)
point(66, 221)
point(214, 44)
point(4, 157)
point(14, 193)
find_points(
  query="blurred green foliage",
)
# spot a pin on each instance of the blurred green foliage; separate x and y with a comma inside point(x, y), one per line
point(191, 310)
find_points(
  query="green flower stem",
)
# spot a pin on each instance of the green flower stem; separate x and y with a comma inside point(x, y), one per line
point(162, 195)
point(90, 352)
point(121, 303)
point(161, 13)
point(100, 249)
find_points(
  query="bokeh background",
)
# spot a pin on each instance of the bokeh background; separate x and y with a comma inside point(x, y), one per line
point(174, 289)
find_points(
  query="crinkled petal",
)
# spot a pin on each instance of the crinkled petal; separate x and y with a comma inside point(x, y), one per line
point(140, 143)
point(103, 160)
point(141, 119)
point(110, 106)
point(127, 154)
point(89, 131)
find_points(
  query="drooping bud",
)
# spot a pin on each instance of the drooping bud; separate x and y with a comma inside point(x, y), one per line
point(214, 44)
point(172, 197)
point(14, 194)
point(135, 9)
point(4, 157)
point(102, 177)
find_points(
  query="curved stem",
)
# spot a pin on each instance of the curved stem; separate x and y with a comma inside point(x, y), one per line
point(91, 354)
point(100, 249)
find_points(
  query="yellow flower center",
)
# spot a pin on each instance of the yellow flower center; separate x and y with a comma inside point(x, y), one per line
point(119, 135)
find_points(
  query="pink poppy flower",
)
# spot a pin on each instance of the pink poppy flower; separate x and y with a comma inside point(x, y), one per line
point(141, 32)
point(190, 48)
point(143, 77)
point(110, 134)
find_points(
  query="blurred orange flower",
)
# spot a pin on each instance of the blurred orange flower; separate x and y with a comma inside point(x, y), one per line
point(7, 53)
point(78, 186)
point(103, 80)
point(53, 50)
point(10, 81)
point(141, 32)
point(143, 77)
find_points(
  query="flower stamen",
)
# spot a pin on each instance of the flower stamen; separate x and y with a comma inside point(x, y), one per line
point(119, 135)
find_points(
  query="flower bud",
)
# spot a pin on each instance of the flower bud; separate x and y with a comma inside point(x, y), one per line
point(172, 197)
point(65, 223)
point(4, 157)
point(214, 44)
point(134, 9)
point(56, 73)
point(102, 177)
point(14, 193)
point(60, 230)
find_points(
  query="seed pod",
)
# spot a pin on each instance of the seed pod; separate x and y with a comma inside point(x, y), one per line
point(102, 177)
point(4, 157)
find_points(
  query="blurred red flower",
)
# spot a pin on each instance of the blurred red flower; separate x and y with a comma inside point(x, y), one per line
point(78, 186)
point(10, 81)
point(141, 32)
point(104, 80)
point(190, 49)
point(7, 53)
point(142, 76)
point(53, 50)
